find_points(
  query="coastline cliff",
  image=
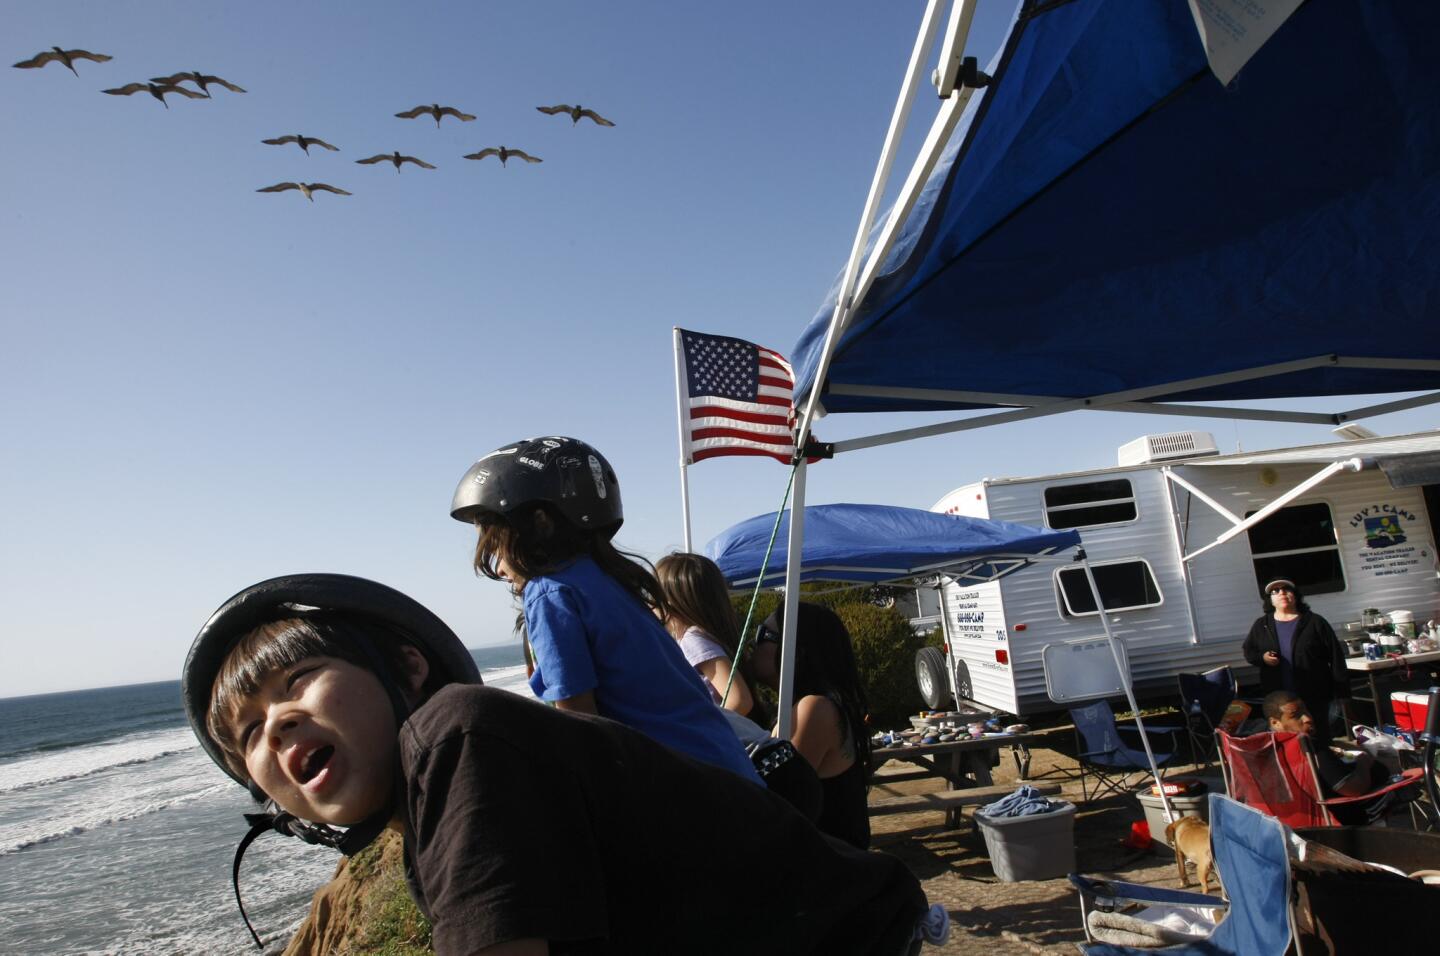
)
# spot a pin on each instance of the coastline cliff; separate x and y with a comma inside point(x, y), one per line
point(365, 908)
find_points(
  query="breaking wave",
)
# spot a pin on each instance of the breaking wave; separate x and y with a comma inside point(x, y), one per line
point(77, 762)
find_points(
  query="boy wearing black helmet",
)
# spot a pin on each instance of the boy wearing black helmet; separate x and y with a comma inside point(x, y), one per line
point(545, 510)
point(526, 830)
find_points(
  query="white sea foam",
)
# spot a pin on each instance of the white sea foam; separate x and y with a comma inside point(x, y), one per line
point(62, 765)
point(124, 792)
point(509, 678)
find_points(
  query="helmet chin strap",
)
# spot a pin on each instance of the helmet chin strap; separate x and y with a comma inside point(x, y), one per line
point(348, 841)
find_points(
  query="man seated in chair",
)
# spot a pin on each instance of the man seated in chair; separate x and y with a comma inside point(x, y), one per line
point(1286, 712)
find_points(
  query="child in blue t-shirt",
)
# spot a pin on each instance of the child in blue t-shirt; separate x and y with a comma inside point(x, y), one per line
point(546, 509)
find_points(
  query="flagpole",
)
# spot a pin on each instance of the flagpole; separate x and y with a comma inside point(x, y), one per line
point(683, 433)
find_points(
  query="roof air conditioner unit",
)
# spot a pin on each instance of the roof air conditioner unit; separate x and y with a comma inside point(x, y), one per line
point(1172, 445)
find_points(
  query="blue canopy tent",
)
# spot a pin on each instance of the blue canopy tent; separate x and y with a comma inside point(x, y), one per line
point(879, 543)
point(1101, 224)
point(1110, 227)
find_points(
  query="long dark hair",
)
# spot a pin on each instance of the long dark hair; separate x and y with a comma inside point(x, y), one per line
point(696, 595)
point(539, 540)
point(825, 666)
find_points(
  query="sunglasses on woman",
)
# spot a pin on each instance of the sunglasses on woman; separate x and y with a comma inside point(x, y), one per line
point(764, 635)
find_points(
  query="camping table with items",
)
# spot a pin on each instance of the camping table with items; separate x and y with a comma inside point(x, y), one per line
point(963, 764)
point(1368, 670)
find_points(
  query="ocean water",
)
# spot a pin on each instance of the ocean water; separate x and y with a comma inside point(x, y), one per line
point(117, 832)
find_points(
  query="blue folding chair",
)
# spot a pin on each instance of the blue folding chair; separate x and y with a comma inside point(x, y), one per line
point(1103, 751)
point(1251, 856)
point(1204, 698)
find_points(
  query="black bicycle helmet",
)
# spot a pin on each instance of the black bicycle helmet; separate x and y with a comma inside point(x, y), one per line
point(565, 473)
point(299, 595)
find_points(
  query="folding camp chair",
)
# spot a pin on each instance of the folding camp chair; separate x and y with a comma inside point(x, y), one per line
point(1275, 773)
point(1204, 699)
point(1108, 757)
point(1252, 859)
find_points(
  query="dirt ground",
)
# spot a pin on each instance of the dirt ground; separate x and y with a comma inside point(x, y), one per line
point(1001, 919)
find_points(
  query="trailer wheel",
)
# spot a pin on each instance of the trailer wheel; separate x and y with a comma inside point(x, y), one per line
point(930, 677)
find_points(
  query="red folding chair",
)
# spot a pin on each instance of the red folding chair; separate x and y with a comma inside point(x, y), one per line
point(1275, 773)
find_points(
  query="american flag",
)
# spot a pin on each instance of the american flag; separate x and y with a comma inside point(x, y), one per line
point(741, 398)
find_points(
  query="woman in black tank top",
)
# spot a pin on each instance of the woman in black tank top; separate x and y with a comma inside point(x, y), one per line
point(830, 708)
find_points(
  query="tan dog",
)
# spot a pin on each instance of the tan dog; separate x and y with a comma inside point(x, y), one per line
point(1190, 837)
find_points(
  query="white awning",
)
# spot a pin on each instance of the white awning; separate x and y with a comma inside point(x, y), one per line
point(1407, 461)
point(1406, 446)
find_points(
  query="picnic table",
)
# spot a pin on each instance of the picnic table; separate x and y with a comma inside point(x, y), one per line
point(963, 764)
point(1368, 670)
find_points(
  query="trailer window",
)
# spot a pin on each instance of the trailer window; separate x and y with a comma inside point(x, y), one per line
point(1124, 586)
point(1299, 543)
point(1089, 504)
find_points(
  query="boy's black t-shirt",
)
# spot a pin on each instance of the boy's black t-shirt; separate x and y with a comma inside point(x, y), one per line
point(522, 821)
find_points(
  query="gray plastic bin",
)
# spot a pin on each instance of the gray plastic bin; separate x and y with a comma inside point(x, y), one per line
point(1189, 805)
point(1040, 846)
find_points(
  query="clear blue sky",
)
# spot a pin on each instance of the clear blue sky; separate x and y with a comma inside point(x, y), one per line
point(202, 386)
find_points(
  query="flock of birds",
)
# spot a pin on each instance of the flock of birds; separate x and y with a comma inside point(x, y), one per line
point(161, 86)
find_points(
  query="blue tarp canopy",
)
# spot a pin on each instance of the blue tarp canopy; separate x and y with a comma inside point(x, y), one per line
point(1109, 217)
point(877, 543)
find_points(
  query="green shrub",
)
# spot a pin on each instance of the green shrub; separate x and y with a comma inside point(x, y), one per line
point(394, 924)
point(389, 923)
point(766, 605)
point(884, 642)
point(885, 647)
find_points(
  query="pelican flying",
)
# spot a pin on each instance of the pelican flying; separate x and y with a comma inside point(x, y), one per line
point(57, 55)
point(504, 154)
point(305, 188)
point(437, 111)
point(202, 80)
point(303, 141)
point(575, 113)
point(395, 158)
point(157, 90)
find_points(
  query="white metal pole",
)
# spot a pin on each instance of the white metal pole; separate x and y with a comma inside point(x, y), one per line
point(795, 543)
point(1129, 690)
point(945, 636)
point(924, 40)
point(682, 422)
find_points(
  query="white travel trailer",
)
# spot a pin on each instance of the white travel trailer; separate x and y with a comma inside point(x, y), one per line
point(1181, 539)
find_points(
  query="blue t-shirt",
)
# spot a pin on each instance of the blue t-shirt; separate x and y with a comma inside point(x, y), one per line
point(589, 634)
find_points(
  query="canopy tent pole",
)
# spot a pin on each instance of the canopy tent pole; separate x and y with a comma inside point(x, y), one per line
point(1042, 409)
point(1399, 405)
point(1129, 690)
point(681, 418)
point(795, 542)
point(898, 119)
point(745, 632)
point(1349, 464)
point(935, 142)
point(945, 636)
point(987, 399)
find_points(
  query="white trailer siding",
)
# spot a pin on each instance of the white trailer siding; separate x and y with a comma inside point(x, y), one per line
point(975, 626)
point(1207, 608)
point(1159, 640)
point(1401, 576)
